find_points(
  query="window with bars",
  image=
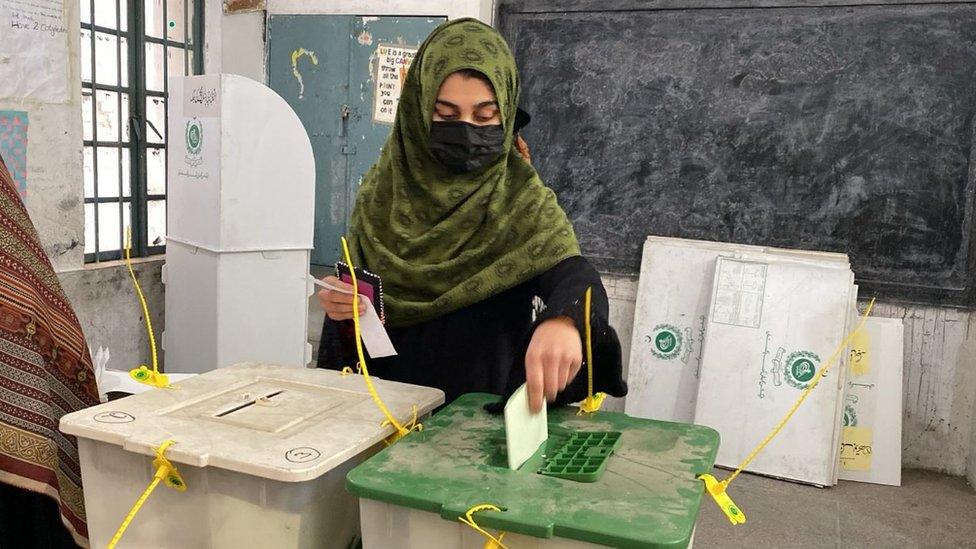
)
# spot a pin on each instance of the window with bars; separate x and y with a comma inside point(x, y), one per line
point(128, 49)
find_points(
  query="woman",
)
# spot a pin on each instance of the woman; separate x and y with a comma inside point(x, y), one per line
point(464, 236)
point(45, 372)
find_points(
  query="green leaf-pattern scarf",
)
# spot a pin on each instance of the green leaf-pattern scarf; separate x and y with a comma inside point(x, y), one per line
point(442, 241)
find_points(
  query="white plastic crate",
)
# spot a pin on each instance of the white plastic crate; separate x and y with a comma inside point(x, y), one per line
point(240, 167)
point(413, 494)
point(259, 474)
point(225, 308)
point(388, 526)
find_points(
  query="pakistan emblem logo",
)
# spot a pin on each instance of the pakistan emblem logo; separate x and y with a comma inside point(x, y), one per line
point(194, 137)
point(665, 341)
point(850, 416)
point(801, 367)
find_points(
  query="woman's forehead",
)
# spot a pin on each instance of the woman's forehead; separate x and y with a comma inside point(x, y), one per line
point(462, 87)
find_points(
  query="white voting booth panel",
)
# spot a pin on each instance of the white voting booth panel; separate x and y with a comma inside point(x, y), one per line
point(241, 171)
point(263, 450)
point(870, 449)
point(241, 209)
point(772, 322)
point(225, 308)
point(670, 322)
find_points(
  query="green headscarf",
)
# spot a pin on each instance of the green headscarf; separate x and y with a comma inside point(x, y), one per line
point(441, 241)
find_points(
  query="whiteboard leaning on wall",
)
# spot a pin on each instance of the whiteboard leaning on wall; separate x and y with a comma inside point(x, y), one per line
point(773, 322)
point(871, 441)
point(670, 322)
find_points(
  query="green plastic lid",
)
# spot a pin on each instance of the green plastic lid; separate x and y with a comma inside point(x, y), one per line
point(647, 496)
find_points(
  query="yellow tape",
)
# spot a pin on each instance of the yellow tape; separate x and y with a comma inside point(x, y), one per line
point(143, 374)
point(165, 471)
point(591, 403)
point(401, 430)
point(492, 542)
point(718, 489)
point(803, 396)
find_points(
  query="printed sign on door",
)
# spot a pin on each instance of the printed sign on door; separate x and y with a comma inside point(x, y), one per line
point(392, 62)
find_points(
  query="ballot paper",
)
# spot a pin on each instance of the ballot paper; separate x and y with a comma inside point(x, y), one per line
point(524, 431)
point(375, 338)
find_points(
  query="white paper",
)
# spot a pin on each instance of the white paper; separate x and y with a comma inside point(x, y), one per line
point(99, 360)
point(524, 431)
point(194, 147)
point(392, 65)
point(202, 98)
point(33, 50)
point(374, 334)
point(114, 381)
point(739, 293)
point(669, 329)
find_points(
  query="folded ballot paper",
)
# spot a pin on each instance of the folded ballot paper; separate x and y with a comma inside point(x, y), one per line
point(375, 338)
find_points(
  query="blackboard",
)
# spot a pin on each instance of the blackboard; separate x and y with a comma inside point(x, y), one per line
point(838, 128)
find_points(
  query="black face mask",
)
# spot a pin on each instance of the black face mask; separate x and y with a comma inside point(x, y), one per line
point(462, 147)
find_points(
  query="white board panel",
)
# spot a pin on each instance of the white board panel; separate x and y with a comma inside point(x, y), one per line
point(670, 321)
point(871, 438)
point(841, 367)
point(773, 321)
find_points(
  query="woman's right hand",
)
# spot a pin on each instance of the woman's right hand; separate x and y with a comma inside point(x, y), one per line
point(338, 305)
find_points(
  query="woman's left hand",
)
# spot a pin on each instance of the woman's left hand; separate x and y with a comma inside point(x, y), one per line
point(523, 149)
point(553, 359)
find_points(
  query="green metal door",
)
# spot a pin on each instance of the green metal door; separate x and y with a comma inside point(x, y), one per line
point(341, 75)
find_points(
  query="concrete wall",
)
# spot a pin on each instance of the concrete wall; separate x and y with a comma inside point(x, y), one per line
point(242, 38)
point(939, 386)
point(971, 466)
point(235, 41)
point(453, 9)
point(109, 310)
